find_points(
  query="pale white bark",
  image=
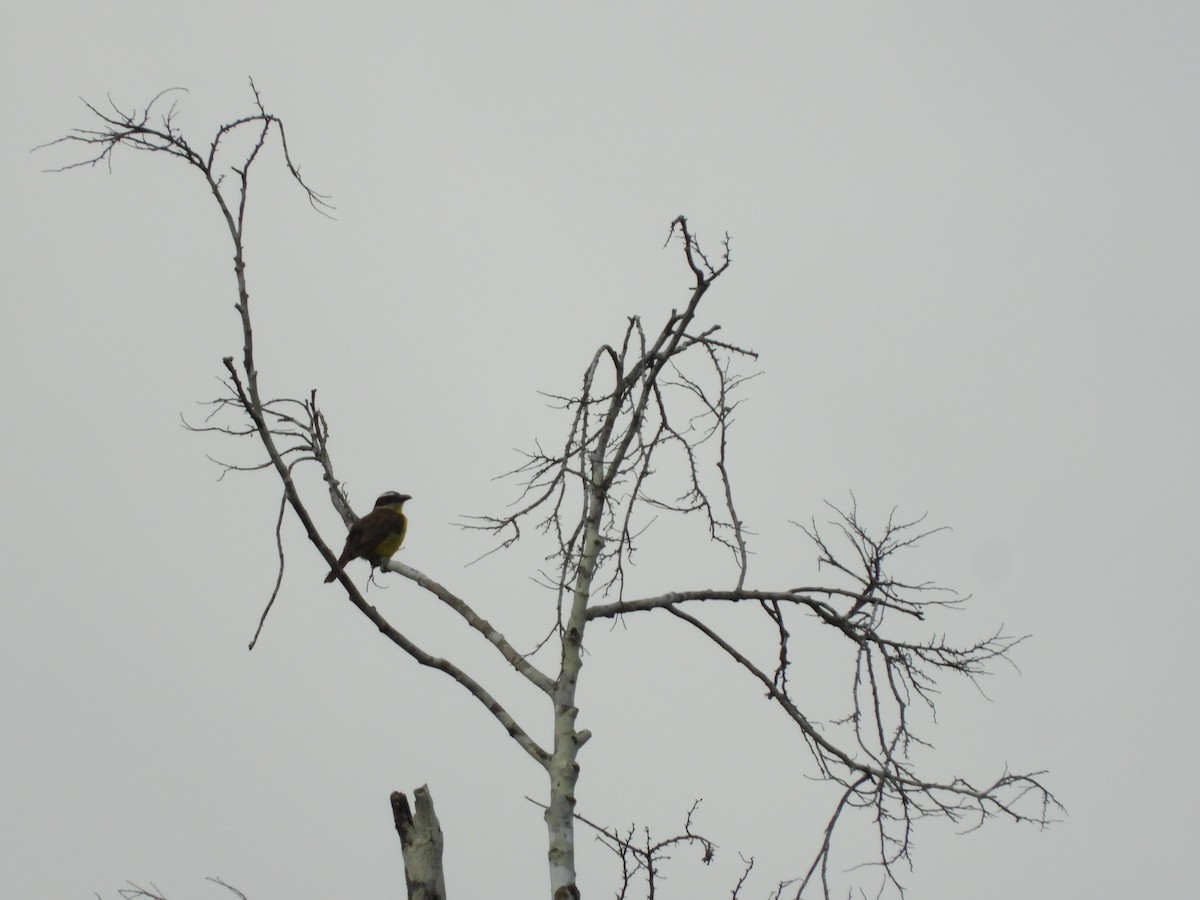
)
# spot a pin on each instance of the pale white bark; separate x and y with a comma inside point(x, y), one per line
point(511, 655)
point(421, 844)
point(563, 767)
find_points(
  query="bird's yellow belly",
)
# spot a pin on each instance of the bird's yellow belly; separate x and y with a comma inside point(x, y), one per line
point(388, 546)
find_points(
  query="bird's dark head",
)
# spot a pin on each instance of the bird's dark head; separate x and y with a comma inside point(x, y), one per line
point(391, 498)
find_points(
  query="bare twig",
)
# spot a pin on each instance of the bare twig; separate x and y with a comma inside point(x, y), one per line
point(621, 421)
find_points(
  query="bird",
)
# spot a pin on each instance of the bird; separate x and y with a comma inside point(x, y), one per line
point(377, 535)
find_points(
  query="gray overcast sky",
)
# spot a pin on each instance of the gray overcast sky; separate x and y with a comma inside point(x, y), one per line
point(964, 244)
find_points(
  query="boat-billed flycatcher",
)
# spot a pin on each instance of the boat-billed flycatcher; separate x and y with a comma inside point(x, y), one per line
point(377, 535)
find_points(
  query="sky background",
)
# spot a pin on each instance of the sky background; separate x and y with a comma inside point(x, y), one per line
point(964, 244)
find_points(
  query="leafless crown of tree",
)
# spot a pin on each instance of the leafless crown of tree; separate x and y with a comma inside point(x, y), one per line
point(656, 401)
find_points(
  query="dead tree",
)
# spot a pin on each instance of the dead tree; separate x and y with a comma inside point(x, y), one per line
point(656, 404)
point(421, 843)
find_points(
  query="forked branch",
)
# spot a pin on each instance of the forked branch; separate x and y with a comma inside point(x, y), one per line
point(869, 752)
point(291, 432)
point(644, 406)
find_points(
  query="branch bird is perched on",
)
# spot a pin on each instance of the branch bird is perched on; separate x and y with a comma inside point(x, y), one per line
point(377, 535)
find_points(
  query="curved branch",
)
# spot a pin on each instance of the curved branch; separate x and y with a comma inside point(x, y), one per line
point(875, 773)
point(515, 731)
point(888, 785)
point(494, 637)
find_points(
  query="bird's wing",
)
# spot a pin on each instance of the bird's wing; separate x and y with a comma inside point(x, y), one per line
point(375, 527)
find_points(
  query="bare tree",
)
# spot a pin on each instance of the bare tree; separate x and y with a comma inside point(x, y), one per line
point(647, 431)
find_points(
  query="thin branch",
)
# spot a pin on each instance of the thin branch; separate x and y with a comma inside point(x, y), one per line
point(279, 571)
point(514, 658)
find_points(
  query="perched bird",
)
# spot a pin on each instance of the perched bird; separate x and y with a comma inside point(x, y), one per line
point(377, 535)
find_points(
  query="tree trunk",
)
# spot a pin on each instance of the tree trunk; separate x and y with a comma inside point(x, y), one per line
point(563, 768)
point(421, 845)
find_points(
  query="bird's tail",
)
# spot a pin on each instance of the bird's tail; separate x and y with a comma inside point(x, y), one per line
point(332, 576)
